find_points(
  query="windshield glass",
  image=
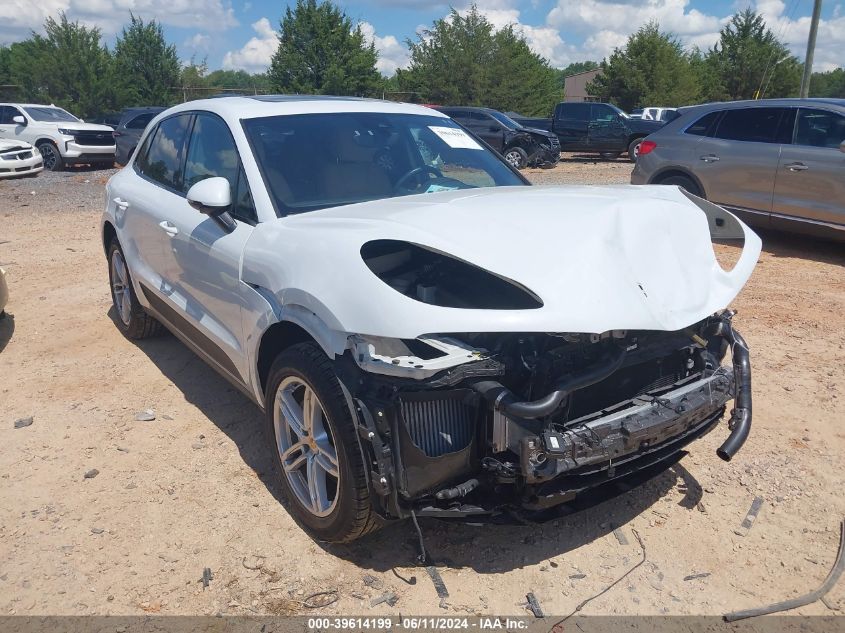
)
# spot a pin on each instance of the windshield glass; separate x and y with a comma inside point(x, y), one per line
point(505, 120)
point(314, 161)
point(50, 114)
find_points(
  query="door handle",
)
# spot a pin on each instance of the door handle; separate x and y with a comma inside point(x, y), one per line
point(169, 228)
point(709, 158)
point(796, 167)
point(119, 202)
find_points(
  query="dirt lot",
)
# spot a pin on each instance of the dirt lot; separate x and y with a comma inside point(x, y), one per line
point(195, 487)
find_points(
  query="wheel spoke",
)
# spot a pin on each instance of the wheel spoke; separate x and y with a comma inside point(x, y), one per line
point(317, 485)
point(292, 413)
point(310, 410)
point(327, 458)
point(125, 305)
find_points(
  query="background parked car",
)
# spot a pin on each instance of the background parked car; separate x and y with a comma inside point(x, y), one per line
point(653, 113)
point(521, 146)
point(595, 127)
point(777, 163)
point(129, 128)
point(18, 158)
point(109, 118)
point(61, 138)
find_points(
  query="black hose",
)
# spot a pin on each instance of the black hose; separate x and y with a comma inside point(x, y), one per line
point(504, 399)
point(740, 421)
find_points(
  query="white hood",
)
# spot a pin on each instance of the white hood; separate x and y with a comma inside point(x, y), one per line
point(83, 127)
point(8, 144)
point(599, 258)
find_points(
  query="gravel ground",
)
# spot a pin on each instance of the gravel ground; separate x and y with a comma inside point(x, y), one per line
point(195, 487)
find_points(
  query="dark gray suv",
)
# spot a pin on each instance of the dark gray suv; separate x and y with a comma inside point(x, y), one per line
point(128, 131)
point(776, 163)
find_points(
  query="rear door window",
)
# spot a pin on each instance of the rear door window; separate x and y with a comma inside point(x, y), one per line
point(164, 158)
point(140, 121)
point(575, 111)
point(753, 125)
point(819, 128)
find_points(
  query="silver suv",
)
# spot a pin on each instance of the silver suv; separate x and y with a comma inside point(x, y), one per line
point(777, 163)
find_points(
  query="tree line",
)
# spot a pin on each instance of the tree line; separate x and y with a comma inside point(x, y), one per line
point(461, 59)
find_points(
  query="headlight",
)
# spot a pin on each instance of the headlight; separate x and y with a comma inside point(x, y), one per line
point(66, 132)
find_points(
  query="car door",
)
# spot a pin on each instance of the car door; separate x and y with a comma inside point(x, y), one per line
point(570, 124)
point(484, 127)
point(142, 200)
point(606, 129)
point(810, 181)
point(205, 267)
point(736, 165)
point(8, 128)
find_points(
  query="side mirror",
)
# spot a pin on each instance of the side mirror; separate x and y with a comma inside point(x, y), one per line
point(19, 120)
point(495, 128)
point(842, 146)
point(213, 197)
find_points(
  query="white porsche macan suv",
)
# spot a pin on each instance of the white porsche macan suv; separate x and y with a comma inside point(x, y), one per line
point(427, 334)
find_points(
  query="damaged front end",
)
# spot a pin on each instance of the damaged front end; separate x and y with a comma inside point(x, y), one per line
point(471, 424)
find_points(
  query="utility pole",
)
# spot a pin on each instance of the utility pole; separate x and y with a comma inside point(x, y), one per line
point(811, 48)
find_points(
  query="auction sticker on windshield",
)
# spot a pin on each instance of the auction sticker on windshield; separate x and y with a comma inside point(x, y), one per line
point(454, 137)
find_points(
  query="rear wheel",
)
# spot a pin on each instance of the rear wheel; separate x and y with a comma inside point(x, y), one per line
point(516, 157)
point(684, 183)
point(634, 149)
point(50, 155)
point(315, 447)
point(130, 315)
point(610, 155)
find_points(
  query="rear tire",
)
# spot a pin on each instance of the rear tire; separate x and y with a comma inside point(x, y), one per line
point(684, 183)
point(634, 149)
point(610, 155)
point(53, 160)
point(322, 472)
point(131, 318)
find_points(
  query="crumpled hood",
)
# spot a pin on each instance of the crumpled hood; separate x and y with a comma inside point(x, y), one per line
point(7, 144)
point(599, 258)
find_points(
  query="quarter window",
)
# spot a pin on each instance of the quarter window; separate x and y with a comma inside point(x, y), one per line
point(755, 125)
point(212, 153)
point(820, 128)
point(703, 125)
point(162, 162)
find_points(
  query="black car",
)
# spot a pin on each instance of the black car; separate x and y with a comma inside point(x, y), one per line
point(129, 129)
point(601, 128)
point(521, 146)
point(109, 118)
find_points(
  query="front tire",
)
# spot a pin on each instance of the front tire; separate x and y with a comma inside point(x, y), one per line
point(50, 155)
point(315, 447)
point(130, 316)
point(516, 157)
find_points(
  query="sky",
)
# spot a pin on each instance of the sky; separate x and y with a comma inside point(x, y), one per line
point(240, 34)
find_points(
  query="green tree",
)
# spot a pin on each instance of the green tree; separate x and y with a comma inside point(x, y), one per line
point(238, 80)
point(147, 66)
point(464, 60)
point(828, 84)
point(321, 52)
point(652, 69)
point(68, 66)
point(749, 61)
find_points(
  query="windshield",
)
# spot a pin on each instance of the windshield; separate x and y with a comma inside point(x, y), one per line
point(505, 120)
point(315, 161)
point(50, 114)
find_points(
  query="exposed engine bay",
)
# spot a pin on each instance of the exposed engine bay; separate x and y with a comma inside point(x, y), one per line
point(468, 424)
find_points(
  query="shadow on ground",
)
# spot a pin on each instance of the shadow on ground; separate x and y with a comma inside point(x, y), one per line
point(789, 245)
point(484, 548)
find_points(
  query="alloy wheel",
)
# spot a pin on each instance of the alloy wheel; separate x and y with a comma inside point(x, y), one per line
point(48, 155)
point(513, 158)
point(306, 446)
point(120, 288)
